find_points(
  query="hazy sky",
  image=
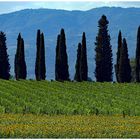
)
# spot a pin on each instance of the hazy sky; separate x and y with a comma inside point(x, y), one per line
point(6, 7)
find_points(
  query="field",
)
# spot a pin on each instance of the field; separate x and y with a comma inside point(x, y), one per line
point(76, 126)
point(69, 98)
point(43, 109)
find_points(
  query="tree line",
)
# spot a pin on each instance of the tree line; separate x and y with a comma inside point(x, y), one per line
point(103, 58)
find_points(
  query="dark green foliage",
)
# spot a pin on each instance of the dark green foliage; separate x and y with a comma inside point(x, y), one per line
point(138, 57)
point(83, 65)
point(118, 56)
point(42, 59)
point(4, 60)
point(124, 67)
point(20, 64)
point(99, 61)
point(40, 68)
point(37, 63)
point(77, 76)
point(57, 60)
point(103, 58)
point(61, 70)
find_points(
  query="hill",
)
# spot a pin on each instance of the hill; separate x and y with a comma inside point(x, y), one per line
point(74, 22)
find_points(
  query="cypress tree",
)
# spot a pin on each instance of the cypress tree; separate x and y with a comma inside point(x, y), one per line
point(103, 58)
point(4, 60)
point(118, 56)
point(57, 73)
point(124, 67)
point(40, 68)
point(138, 56)
point(77, 76)
point(17, 72)
point(43, 66)
point(20, 64)
point(37, 63)
point(83, 65)
point(99, 60)
point(62, 69)
point(24, 69)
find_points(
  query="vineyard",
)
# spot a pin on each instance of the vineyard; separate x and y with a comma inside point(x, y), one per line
point(69, 98)
point(50, 109)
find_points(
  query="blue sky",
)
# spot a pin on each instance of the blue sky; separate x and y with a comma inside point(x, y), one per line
point(6, 7)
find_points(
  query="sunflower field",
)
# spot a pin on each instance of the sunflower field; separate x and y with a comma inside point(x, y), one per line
point(71, 126)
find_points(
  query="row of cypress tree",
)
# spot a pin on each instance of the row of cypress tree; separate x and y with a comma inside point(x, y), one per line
point(20, 65)
point(40, 68)
point(122, 67)
point(81, 67)
point(61, 64)
point(103, 58)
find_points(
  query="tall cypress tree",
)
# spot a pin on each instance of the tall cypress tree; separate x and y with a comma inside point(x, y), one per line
point(42, 59)
point(24, 69)
point(138, 56)
point(40, 68)
point(99, 60)
point(62, 67)
point(4, 60)
point(77, 76)
point(37, 63)
point(124, 67)
point(17, 71)
point(103, 58)
point(63, 57)
point(20, 64)
point(83, 65)
point(57, 73)
point(118, 56)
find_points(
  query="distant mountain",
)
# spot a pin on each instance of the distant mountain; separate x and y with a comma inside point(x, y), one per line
point(74, 22)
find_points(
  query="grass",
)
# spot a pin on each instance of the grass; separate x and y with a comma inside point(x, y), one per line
point(71, 126)
point(69, 98)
